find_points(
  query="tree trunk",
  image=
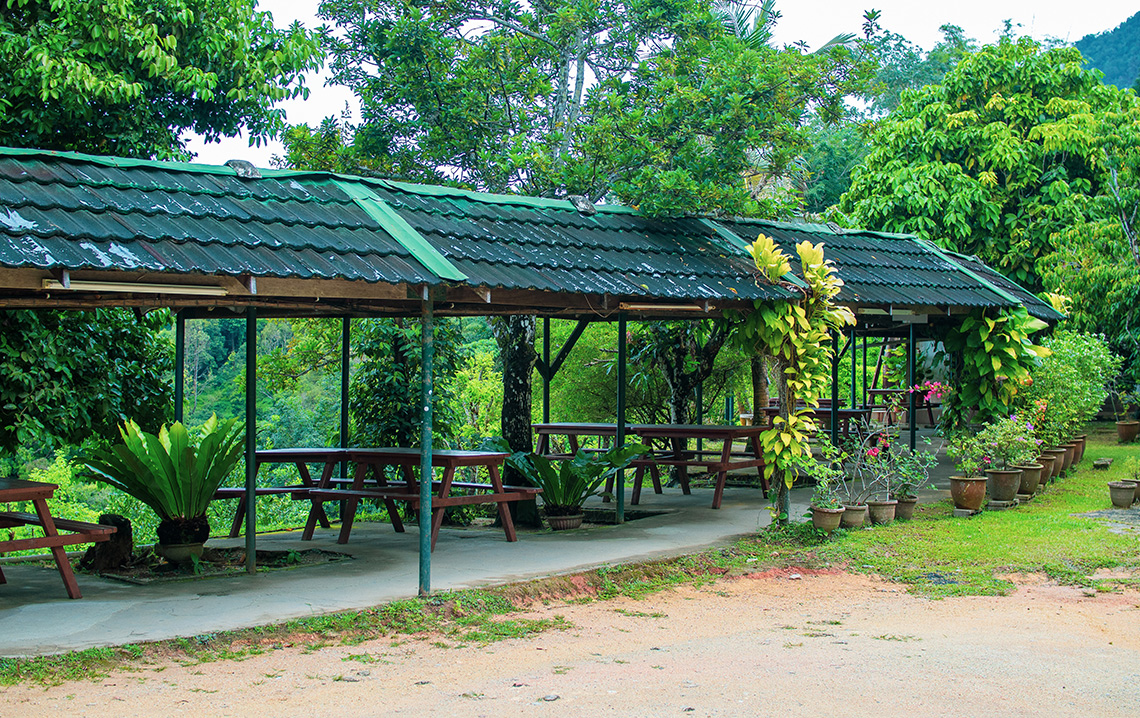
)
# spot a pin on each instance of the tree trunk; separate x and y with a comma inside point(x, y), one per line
point(759, 386)
point(515, 337)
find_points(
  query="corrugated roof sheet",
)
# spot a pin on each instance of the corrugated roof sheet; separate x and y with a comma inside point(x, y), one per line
point(900, 270)
point(65, 210)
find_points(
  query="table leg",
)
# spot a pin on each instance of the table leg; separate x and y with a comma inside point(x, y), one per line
point(437, 512)
point(635, 497)
point(504, 510)
point(573, 444)
point(348, 513)
point(57, 552)
point(239, 518)
point(2, 579)
point(390, 504)
point(543, 444)
point(326, 481)
point(722, 472)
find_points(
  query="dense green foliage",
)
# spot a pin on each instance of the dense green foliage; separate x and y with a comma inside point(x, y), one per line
point(67, 375)
point(1070, 384)
point(994, 160)
point(128, 78)
point(1115, 52)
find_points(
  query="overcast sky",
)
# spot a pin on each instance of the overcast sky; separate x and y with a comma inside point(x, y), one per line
point(813, 21)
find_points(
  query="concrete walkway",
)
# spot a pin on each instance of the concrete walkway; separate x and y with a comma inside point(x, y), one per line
point(37, 618)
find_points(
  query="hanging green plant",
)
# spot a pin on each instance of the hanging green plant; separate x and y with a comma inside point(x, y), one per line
point(992, 356)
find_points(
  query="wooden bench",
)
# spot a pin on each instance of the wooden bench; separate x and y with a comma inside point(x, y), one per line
point(78, 532)
point(409, 493)
point(297, 492)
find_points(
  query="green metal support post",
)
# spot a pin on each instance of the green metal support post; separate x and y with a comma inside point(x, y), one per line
point(834, 389)
point(854, 371)
point(619, 439)
point(911, 351)
point(546, 374)
point(251, 440)
point(179, 365)
point(864, 370)
point(345, 328)
point(428, 345)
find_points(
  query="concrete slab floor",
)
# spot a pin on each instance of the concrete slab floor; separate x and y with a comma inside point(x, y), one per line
point(37, 618)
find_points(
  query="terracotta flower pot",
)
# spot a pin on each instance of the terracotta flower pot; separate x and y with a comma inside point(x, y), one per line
point(968, 492)
point(179, 553)
point(1122, 493)
point(826, 520)
point(1070, 454)
point(882, 512)
point(905, 509)
point(1080, 441)
point(1030, 478)
point(562, 523)
point(1002, 484)
point(1058, 455)
point(1046, 461)
point(1127, 431)
point(853, 515)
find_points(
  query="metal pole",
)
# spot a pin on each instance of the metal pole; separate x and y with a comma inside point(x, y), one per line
point(834, 389)
point(345, 336)
point(864, 370)
point(251, 440)
point(546, 374)
point(619, 439)
point(854, 370)
point(428, 343)
point(700, 411)
point(911, 351)
point(179, 366)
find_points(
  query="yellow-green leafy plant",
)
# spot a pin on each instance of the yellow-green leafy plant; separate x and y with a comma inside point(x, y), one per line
point(796, 334)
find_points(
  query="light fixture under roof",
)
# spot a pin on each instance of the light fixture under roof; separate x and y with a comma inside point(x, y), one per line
point(75, 285)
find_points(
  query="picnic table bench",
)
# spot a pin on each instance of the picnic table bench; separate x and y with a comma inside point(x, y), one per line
point(373, 461)
point(718, 462)
point(79, 532)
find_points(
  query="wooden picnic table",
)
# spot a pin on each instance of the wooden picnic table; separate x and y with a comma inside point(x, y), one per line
point(300, 457)
point(676, 453)
point(79, 532)
point(377, 486)
point(822, 416)
point(886, 395)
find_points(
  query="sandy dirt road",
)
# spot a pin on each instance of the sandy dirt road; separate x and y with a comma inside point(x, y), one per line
point(761, 645)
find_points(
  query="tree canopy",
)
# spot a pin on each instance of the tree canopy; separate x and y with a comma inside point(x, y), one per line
point(995, 160)
point(127, 78)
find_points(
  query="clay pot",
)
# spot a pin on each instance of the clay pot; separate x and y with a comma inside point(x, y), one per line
point(1080, 441)
point(1070, 454)
point(1002, 484)
point(826, 520)
point(1030, 478)
point(1058, 455)
point(1126, 431)
point(968, 492)
point(853, 515)
point(905, 509)
point(882, 512)
point(1122, 493)
point(562, 523)
point(179, 553)
point(1046, 461)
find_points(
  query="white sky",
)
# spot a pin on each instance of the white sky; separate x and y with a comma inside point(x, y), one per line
point(814, 21)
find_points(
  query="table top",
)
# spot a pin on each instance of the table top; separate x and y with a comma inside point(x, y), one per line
point(22, 490)
point(823, 410)
point(696, 431)
point(394, 454)
point(578, 428)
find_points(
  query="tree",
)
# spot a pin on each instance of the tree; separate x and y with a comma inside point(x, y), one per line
point(129, 78)
point(65, 376)
point(995, 160)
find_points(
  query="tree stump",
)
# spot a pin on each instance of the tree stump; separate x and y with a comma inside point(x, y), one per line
point(113, 553)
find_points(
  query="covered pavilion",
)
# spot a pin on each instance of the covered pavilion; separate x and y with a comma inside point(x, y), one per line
point(81, 231)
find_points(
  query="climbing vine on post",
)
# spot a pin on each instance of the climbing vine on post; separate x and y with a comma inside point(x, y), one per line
point(990, 356)
point(797, 335)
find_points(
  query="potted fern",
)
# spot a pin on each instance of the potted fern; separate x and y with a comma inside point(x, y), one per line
point(566, 488)
point(174, 473)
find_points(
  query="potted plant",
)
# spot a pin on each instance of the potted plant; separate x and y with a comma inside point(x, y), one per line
point(1132, 473)
point(826, 503)
point(912, 472)
point(1007, 443)
point(968, 488)
point(1127, 429)
point(174, 473)
point(566, 488)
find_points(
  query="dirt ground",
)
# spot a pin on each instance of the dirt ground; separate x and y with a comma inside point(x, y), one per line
point(776, 643)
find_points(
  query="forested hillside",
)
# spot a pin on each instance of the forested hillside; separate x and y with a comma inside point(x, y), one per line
point(1116, 52)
